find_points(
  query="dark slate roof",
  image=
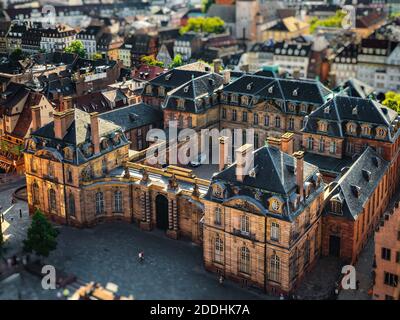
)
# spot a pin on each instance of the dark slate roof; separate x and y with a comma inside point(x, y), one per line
point(134, 116)
point(356, 88)
point(296, 90)
point(197, 88)
point(327, 164)
point(175, 78)
point(348, 52)
point(286, 48)
point(265, 73)
point(275, 176)
point(354, 188)
point(342, 109)
point(79, 130)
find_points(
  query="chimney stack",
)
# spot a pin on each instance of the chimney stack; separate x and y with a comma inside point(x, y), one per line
point(62, 121)
point(244, 160)
point(227, 76)
point(94, 131)
point(299, 155)
point(36, 121)
point(223, 152)
point(217, 65)
point(287, 143)
point(274, 142)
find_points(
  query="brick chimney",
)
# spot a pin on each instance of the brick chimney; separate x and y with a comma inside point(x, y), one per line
point(217, 65)
point(244, 160)
point(62, 121)
point(36, 121)
point(227, 76)
point(274, 142)
point(287, 143)
point(299, 155)
point(223, 152)
point(94, 131)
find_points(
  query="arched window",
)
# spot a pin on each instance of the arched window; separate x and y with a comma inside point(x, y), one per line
point(244, 224)
point(266, 121)
point(33, 164)
point(71, 205)
point(255, 116)
point(50, 170)
point(118, 201)
point(332, 147)
point(310, 143)
point(219, 250)
point(275, 231)
point(321, 145)
point(275, 266)
point(35, 193)
point(278, 122)
point(52, 200)
point(244, 260)
point(218, 216)
point(99, 203)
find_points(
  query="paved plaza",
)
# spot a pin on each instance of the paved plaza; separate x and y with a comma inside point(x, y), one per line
point(172, 269)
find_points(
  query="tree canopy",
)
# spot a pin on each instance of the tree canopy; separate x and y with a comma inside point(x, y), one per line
point(208, 24)
point(331, 22)
point(76, 47)
point(151, 61)
point(392, 100)
point(177, 62)
point(41, 237)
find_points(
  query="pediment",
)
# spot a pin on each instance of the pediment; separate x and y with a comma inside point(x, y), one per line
point(245, 204)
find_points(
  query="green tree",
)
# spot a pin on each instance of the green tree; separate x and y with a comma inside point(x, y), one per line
point(97, 56)
point(206, 4)
point(76, 47)
point(392, 100)
point(151, 61)
point(200, 24)
point(176, 62)
point(41, 236)
point(331, 22)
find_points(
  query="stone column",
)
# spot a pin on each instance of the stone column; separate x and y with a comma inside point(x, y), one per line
point(148, 211)
point(172, 231)
point(145, 223)
point(170, 214)
point(175, 214)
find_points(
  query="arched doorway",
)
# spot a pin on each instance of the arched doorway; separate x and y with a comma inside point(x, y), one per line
point(162, 212)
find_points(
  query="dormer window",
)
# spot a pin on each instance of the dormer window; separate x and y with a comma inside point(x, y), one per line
point(271, 89)
point(161, 91)
point(336, 206)
point(180, 104)
point(234, 98)
point(245, 100)
point(295, 92)
point(303, 108)
point(249, 86)
point(292, 107)
point(322, 126)
point(149, 89)
point(380, 133)
point(351, 128)
point(186, 89)
point(354, 111)
point(327, 110)
point(365, 130)
point(217, 191)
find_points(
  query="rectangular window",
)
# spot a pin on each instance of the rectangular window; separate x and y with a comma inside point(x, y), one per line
point(385, 254)
point(391, 279)
point(244, 116)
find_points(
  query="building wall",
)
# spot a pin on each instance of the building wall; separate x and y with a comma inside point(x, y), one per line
point(387, 237)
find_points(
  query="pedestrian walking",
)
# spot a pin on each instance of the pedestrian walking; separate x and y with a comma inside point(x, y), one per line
point(221, 279)
point(20, 213)
point(281, 297)
point(141, 256)
point(65, 293)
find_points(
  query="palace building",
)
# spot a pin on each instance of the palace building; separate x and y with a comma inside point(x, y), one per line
point(263, 215)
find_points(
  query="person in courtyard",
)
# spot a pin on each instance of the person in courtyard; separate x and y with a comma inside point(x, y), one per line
point(221, 279)
point(281, 297)
point(141, 256)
